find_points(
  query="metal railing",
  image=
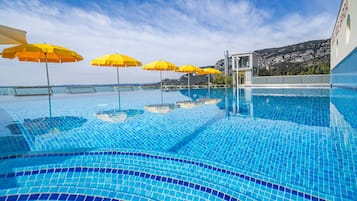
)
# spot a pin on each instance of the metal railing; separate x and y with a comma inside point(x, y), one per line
point(67, 89)
point(292, 80)
point(81, 89)
point(32, 91)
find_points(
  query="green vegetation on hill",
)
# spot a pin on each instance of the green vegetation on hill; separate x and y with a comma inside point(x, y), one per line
point(221, 79)
point(310, 57)
point(294, 69)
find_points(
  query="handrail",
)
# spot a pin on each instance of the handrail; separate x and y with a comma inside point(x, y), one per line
point(42, 90)
point(124, 88)
point(168, 87)
point(33, 94)
point(70, 89)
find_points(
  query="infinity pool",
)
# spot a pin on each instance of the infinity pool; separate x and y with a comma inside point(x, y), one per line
point(217, 144)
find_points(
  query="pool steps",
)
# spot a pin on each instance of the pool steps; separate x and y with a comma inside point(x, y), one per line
point(213, 176)
point(67, 193)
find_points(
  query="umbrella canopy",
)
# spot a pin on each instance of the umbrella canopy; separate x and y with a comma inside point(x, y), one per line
point(209, 71)
point(116, 60)
point(42, 53)
point(160, 65)
point(188, 69)
point(10, 36)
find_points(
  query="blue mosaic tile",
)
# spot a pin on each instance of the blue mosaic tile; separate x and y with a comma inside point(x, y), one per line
point(288, 143)
point(157, 177)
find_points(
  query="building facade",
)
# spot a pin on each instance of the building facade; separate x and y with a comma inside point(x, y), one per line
point(344, 46)
point(243, 66)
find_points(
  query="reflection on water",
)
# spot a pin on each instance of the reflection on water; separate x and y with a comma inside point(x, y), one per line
point(196, 94)
point(298, 133)
point(118, 116)
point(345, 102)
point(312, 111)
point(303, 106)
point(24, 133)
point(46, 125)
point(200, 96)
point(209, 101)
point(309, 108)
point(20, 134)
point(188, 104)
point(160, 108)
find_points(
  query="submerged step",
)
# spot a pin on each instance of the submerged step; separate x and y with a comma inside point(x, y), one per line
point(67, 193)
point(162, 166)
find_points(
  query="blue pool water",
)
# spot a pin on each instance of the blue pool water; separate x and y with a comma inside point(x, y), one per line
point(222, 144)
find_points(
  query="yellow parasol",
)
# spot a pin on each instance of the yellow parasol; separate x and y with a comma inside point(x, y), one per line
point(188, 69)
point(209, 71)
point(42, 53)
point(160, 65)
point(116, 60)
point(10, 36)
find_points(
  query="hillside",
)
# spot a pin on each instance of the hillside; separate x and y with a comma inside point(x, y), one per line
point(311, 57)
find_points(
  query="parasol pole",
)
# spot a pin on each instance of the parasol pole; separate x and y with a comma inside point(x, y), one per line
point(162, 99)
point(209, 87)
point(188, 84)
point(118, 86)
point(49, 105)
point(160, 79)
point(48, 79)
point(48, 87)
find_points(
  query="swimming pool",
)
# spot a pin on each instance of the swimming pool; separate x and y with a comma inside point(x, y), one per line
point(218, 144)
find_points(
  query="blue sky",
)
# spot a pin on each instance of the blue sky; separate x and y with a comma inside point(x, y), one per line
point(183, 32)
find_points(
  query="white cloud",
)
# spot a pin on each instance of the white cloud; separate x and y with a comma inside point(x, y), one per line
point(183, 32)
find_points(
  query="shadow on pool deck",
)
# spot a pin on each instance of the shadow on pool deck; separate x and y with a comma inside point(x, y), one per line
point(175, 148)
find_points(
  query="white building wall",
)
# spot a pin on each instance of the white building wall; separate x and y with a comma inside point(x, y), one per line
point(253, 60)
point(248, 77)
point(342, 42)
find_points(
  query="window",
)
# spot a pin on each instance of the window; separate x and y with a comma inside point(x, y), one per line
point(244, 62)
point(348, 29)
